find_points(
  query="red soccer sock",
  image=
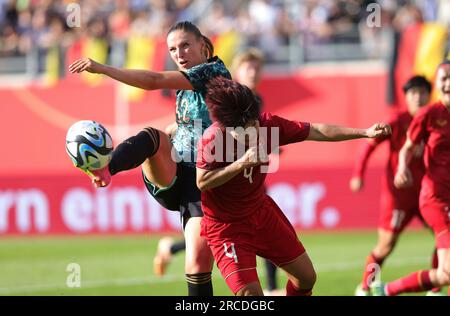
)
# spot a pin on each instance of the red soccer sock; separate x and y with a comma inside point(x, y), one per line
point(415, 282)
point(368, 270)
point(291, 290)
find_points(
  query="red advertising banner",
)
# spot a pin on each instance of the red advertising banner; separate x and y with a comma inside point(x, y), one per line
point(311, 199)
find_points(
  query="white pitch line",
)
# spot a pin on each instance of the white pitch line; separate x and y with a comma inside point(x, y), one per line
point(92, 284)
point(326, 267)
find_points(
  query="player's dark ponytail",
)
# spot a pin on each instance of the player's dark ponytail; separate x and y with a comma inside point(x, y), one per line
point(187, 26)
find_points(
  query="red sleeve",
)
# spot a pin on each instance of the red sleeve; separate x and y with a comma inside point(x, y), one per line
point(289, 131)
point(417, 131)
point(363, 158)
point(206, 151)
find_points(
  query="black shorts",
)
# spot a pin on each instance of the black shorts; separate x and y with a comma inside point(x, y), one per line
point(181, 195)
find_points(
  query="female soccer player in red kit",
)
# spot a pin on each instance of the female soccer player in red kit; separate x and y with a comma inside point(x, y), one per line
point(398, 206)
point(246, 68)
point(240, 220)
point(431, 126)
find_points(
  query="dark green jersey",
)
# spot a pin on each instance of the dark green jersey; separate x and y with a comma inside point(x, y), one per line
point(192, 114)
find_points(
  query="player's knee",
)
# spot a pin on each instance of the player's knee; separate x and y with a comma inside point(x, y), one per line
point(194, 267)
point(198, 262)
point(306, 281)
point(309, 280)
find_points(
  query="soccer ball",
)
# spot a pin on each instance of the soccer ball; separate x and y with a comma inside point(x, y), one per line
point(89, 145)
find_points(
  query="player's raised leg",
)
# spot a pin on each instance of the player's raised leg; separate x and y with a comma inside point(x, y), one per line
point(149, 148)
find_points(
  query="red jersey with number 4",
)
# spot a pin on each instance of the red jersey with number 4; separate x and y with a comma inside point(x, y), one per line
point(432, 126)
point(243, 194)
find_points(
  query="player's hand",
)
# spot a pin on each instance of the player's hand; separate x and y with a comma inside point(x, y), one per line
point(403, 178)
point(356, 184)
point(378, 129)
point(86, 64)
point(254, 156)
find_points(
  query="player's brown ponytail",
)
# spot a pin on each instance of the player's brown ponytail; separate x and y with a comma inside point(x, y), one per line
point(209, 47)
point(187, 26)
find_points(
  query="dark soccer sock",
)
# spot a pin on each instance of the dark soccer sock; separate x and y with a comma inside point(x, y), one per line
point(291, 290)
point(415, 282)
point(369, 270)
point(132, 152)
point(199, 284)
point(178, 246)
point(271, 271)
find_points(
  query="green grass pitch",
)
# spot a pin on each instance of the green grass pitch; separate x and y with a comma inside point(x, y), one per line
point(122, 265)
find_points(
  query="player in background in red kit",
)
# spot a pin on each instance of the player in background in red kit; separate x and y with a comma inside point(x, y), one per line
point(398, 206)
point(430, 126)
point(240, 220)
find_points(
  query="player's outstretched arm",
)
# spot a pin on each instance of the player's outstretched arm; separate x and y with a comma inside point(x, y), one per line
point(403, 177)
point(144, 79)
point(333, 133)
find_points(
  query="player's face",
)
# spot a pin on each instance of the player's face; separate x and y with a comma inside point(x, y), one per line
point(415, 98)
point(249, 73)
point(443, 83)
point(185, 49)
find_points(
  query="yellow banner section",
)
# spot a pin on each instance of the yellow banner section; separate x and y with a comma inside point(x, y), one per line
point(226, 46)
point(52, 65)
point(96, 49)
point(139, 56)
point(430, 51)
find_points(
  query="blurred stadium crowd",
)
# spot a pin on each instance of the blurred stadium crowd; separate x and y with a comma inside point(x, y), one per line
point(268, 24)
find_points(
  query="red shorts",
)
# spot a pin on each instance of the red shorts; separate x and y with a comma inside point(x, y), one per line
point(266, 233)
point(436, 213)
point(397, 211)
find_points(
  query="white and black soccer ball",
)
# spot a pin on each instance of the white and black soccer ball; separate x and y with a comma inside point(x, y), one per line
point(89, 145)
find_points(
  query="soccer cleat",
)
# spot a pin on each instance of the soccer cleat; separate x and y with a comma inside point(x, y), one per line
point(100, 177)
point(361, 292)
point(378, 288)
point(163, 256)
